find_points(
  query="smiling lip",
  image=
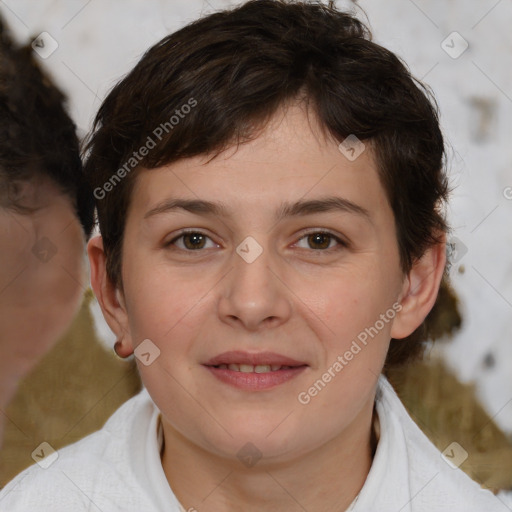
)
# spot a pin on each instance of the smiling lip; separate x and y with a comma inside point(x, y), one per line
point(239, 357)
point(266, 376)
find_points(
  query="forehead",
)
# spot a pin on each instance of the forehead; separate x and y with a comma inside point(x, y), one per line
point(290, 159)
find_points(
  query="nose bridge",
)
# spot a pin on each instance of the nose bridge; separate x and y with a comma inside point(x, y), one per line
point(251, 281)
point(253, 293)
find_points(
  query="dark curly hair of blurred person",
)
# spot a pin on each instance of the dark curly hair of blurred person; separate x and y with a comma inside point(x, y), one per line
point(37, 136)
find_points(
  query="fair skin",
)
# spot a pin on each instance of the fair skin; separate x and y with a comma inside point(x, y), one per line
point(303, 297)
point(41, 286)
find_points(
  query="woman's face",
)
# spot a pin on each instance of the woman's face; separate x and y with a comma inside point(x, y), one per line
point(42, 276)
point(292, 258)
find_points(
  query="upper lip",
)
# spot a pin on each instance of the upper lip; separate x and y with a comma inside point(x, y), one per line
point(259, 358)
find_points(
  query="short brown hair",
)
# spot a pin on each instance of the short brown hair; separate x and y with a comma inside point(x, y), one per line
point(239, 66)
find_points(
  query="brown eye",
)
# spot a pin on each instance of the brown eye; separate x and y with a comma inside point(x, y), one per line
point(319, 240)
point(189, 241)
point(194, 241)
point(322, 241)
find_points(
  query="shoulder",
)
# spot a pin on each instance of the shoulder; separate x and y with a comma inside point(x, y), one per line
point(78, 476)
point(435, 481)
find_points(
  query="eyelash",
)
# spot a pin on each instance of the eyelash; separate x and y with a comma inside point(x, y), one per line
point(341, 242)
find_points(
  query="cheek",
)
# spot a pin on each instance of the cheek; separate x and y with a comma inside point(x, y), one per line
point(348, 302)
point(353, 341)
point(64, 285)
point(352, 319)
point(162, 305)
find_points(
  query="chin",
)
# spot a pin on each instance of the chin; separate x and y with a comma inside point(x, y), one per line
point(266, 442)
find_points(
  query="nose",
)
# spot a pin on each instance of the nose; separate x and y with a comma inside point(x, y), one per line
point(254, 295)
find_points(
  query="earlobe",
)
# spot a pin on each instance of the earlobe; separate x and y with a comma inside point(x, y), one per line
point(420, 290)
point(109, 297)
point(121, 350)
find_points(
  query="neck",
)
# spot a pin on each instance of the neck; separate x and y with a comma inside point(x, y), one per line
point(326, 479)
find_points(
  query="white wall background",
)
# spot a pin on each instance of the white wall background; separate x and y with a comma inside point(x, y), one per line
point(100, 40)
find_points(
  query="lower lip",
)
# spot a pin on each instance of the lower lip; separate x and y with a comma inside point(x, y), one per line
point(255, 381)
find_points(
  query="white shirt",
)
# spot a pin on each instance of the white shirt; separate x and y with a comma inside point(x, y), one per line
point(118, 468)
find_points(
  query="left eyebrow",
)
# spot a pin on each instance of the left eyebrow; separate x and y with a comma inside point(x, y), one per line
point(325, 204)
point(298, 208)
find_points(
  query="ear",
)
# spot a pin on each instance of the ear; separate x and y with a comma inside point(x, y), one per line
point(109, 296)
point(419, 291)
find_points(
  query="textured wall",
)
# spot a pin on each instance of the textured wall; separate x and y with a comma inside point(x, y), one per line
point(100, 40)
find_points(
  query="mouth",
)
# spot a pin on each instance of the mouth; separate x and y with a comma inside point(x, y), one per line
point(254, 371)
point(250, 368)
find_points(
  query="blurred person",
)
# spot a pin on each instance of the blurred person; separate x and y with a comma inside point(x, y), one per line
point(46, 216)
